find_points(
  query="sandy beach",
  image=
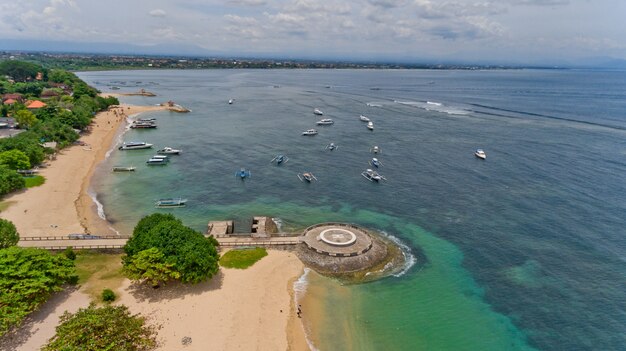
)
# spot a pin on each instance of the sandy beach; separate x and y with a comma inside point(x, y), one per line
point(62, 204)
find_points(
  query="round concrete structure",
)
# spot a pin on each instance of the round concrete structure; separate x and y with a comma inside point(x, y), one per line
point(337, 239)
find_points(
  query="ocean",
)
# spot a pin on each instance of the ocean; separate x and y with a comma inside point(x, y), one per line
point(524, 250)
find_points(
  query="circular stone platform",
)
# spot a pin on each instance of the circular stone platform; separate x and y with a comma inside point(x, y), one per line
point(337, 239)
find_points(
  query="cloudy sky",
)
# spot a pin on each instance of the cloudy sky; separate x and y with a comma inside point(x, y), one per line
point(507, 30)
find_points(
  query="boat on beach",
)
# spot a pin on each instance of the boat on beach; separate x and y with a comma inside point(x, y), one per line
point(170, 202)
point(370, 125)
point(480, 154)
point(325, 122)
point(124, 169)
point(310, 132)
point(135, 145)
point(318, 112)
point(280, 159)
point(168, 151)
point(372, 175)
point(307, 177)
point(364, 119)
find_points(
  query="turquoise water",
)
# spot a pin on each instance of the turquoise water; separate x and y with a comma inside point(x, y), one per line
point(524, 250)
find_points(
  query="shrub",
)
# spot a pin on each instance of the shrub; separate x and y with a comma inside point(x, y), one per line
point(8, 234)
point(69, 253)
point(103, 328)
point(108, 295)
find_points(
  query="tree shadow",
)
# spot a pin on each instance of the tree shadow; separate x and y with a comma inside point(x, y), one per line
point(174, 290)
point(17, 337)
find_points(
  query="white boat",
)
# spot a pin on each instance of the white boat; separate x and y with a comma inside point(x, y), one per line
point(135, 145)
point(307, 177)
point(480, 154)
point(230, 102)
point(374, 162)
point(123, 169)
point(372, 175)
point(310, 132)
point(318, 112)
point(325, 122)
point(177, 202)
point(363, 118)
point(375, 149)
point(370, 125)
point(332, 146)
point(143, 125)
point(161, 157)
point(3, 125)
point(157, 161)
point(168, 151)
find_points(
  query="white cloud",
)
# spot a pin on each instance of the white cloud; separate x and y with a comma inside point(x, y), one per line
point(157, 13)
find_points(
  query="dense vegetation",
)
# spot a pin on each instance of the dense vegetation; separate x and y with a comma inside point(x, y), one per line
point(163, 249)
point(28, 277)
point(242, 258)
point(70, 107)
point(8, 234)
point(104, 328)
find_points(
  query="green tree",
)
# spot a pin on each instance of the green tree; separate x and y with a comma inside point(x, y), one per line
point(25, 118)
point(28, 276)
point(151, 266)
point(10, 180)
point(20, 71)
point(14, 159)
point(8, 234)
point(28, 143)
point(104, 328)
point(188, 252)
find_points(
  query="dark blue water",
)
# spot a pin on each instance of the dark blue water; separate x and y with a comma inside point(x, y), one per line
point(530, 243)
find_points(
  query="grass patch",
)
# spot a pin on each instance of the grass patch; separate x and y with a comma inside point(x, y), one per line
point(98, 271)
point(242, 258)
point(34, 181)
point(4, 205)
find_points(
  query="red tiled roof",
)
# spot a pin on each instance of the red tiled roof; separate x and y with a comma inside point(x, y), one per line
point(36, 104)
point(10, 101)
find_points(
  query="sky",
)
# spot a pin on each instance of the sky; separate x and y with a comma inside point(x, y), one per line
point(465, 30)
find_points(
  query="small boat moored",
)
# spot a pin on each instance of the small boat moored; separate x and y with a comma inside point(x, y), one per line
point(480, 154)
point(364, 119)
point(332, 147)
point(230, 102)
point(168, 151)
point(375, 149)
point(123, 169)
point(374, 162)
point(325, 122)
point(243, 174)
point(135, 145)
point(170, 202)
point(156, 161)
point(280, 159)
point(372, 175)
point(318, 112)
point(310, 132)
point(143, 124)
point(370, 125)
point(306, 177)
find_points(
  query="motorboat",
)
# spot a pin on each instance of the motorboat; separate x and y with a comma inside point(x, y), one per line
point(310, 132)
point(370, 125)
point(161, 157)
point(170, 202)
point(375, 149)
point(157, 161)
point(318, 112)
point(280, 159)
point(364, 119)
point(372, 175)
point(332, 146)
point(146, 120)
point(135, 145)
point(168, 151)
point(243, 173)
point(230, 102)
point(325, 122)
point(306, 177)
point(123, 169)
point(374, 162)
point(480, 154)
point(143, 125)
